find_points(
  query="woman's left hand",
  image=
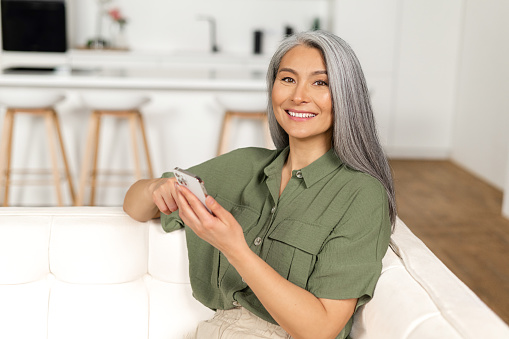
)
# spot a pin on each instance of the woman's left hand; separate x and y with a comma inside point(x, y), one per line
point(220, 229)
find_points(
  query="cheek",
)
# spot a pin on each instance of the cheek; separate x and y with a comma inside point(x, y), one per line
point(325, 102)
point(276, 95)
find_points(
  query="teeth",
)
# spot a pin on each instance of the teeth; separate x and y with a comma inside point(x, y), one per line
point(301, 115)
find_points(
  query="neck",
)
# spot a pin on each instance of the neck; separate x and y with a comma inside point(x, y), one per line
point(302, 153)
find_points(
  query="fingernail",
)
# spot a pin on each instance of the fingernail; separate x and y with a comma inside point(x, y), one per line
point(210, 200)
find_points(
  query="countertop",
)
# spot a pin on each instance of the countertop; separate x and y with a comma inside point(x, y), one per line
point(182, 78)
point(136, 70)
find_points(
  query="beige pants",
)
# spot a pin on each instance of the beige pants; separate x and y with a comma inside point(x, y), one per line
point(237, 323)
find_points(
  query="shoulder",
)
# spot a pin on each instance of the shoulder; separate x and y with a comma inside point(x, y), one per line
point(360, 183)
point(237, 159)
point(238, 166)
point(250, 154)
point(360, 200)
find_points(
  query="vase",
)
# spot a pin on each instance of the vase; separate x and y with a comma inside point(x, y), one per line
point(119, 38)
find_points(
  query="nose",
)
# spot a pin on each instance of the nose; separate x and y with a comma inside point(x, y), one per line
point(300, 94)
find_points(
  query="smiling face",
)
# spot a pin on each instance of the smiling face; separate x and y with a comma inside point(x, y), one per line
point(301, 98)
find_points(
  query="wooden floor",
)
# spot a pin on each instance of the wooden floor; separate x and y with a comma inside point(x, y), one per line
point(458, 216)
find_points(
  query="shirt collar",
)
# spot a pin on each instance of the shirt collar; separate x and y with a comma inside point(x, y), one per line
point(312, 173)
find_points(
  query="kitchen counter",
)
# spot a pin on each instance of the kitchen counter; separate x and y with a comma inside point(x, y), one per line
point(137, 70)
point(189, 78)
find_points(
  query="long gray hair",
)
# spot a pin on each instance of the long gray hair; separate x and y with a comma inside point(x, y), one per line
point(354, 137)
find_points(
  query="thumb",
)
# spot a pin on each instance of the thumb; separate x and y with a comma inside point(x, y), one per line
point(217, 209)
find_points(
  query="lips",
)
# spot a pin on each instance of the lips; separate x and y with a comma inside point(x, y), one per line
point(301, 115)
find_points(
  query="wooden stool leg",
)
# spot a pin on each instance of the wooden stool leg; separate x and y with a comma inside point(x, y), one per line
point(5, 153)
point(64, 157)
point(145, 145)
point(93, 181)
point(225, 133)
point(132, 124)
point(53, 151)
point(85, 166)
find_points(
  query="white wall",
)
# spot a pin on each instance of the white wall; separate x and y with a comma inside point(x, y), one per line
point(426, 77)
point(371, 29)
point(173, 25)
point(481, 133)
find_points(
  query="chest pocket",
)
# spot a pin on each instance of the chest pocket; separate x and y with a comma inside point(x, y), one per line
point(247, 218)
point(294, 248)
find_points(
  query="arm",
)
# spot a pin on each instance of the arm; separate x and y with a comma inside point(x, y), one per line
point(298, 311)
point(146, 198)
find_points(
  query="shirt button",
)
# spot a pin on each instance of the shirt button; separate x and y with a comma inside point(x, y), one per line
point(299, 174)
point(258, 241)
point(273, 210)
point(236, 304)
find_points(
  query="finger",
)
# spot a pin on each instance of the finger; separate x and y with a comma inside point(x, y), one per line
point(163, 200)
point(186, 212)
point(218, 210)
point(199, 209)
point(169, 201)
point(167, 195)
point(161, 204)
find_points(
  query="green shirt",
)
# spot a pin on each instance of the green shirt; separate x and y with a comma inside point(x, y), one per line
point(327, 232)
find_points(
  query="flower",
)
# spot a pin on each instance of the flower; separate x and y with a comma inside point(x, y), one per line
point(117, 16)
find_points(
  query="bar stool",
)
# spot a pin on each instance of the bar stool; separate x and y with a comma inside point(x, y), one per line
point(248, 106)
point(38, 103)
point(124, 106)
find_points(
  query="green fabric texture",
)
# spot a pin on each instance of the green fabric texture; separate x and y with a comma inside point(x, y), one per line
point(327, 232)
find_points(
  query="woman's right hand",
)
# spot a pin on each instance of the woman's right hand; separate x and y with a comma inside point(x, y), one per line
point(147, 198)
point(164, 194)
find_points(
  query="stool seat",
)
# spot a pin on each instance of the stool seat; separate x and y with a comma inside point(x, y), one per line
point(104, 101)
point(243, 102)
point(26, 98)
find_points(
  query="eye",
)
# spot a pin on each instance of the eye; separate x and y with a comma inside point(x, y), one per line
point(288, 79)
point(321, 83)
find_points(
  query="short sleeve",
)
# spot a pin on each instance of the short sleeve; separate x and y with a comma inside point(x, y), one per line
point(350, 261)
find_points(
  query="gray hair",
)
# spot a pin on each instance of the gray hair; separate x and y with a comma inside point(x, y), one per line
point(354, 137)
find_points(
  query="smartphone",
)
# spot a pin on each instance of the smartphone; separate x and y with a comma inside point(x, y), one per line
point(193, 183)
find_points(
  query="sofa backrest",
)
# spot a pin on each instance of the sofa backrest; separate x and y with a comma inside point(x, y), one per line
point(92, 272)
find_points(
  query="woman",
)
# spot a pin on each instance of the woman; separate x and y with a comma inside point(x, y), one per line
point(297, 235)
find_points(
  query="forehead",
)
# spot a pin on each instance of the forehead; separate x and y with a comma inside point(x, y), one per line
point(303, 58)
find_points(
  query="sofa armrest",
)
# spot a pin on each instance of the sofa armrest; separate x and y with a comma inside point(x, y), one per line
point(417, 296)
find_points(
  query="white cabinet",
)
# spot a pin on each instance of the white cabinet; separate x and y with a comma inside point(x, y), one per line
point(409, 52)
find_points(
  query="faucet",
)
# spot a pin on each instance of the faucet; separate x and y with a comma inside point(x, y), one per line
point(213, 37)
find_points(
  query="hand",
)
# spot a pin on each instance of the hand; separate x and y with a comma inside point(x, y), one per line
point(220, 229)
point(163, 194)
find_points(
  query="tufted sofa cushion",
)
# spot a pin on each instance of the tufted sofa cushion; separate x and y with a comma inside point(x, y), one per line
point(92, 272)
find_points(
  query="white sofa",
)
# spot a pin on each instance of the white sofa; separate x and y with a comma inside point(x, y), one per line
point(92, 272)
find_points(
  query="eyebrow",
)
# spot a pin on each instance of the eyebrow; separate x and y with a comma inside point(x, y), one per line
point(294, 72)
